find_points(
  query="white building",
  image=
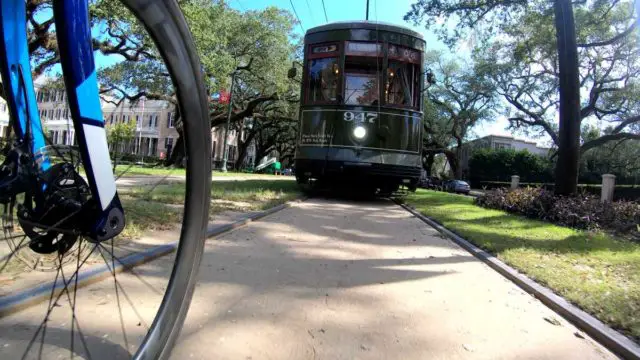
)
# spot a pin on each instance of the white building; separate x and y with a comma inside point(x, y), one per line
point(498, 142)
point(155, 133)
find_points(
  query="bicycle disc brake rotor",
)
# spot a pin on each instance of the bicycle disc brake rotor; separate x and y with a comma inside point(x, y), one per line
point(51, 228)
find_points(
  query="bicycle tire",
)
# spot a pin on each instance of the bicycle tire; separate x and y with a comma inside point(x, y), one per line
point(167, 27)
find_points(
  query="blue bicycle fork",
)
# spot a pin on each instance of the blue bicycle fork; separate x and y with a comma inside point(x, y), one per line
point(106, 217)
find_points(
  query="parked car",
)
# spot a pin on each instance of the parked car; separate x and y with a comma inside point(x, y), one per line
point(457, 186)
point(434, 183)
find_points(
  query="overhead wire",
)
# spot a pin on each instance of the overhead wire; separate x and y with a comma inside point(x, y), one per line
point(241, 6)
point(296, 14)
point(325, 12)
point(380, 73)
point(311, 12)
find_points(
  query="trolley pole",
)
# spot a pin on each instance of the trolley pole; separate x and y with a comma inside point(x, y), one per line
point(367, 10)
point(226, 129)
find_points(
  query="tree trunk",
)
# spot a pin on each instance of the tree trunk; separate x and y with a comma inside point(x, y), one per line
point(458, 171)
point(242, 148)
point(568, 163)
point(177, 153)
point(428, 164)
point(115, 155)
point(453, 161)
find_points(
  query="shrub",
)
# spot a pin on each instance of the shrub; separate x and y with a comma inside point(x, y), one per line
point(583, 211)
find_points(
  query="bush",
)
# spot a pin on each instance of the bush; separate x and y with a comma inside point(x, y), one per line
point(583, 211)
point(499, 165)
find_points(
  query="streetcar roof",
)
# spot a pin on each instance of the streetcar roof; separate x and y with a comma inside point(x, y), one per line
point(361, 24)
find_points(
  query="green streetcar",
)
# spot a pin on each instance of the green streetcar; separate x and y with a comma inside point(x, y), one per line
point(361, 106)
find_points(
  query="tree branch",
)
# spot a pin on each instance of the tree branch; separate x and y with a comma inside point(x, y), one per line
point(606, 138)
point(611, 41)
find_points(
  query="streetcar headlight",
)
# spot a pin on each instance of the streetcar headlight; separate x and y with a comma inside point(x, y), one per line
point(359, 132)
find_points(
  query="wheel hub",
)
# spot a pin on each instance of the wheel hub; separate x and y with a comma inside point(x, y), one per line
point(52, 227)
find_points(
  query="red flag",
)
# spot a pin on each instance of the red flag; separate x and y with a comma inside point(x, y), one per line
point(224, 97)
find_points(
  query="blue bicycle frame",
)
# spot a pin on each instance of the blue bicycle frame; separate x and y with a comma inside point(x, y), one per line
point(73, 33)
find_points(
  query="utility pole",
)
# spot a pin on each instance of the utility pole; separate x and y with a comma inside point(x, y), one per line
point(367, 10)
point(567, 167)
point(226, 129)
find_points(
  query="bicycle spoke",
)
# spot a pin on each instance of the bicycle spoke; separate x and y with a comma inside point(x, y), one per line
point(132, 271)
point(72, 304)
point(124, 293)
point(44, 321)
point(50, 307)
point(125, 171)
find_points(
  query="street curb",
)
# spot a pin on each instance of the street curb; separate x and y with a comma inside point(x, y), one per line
point(608, 337)
point(29, 297)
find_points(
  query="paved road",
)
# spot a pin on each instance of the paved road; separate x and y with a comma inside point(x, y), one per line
point(330, 279)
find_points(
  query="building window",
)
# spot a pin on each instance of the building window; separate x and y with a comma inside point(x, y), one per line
point(232, 153)
point(4, 107)
point(170, 119)
point(64, 137)
point(117, 118)
point(153, 120)
point(66, 113)
point(153, 146)
point(125, 119)
point(50, 115)
point(58, 113)
point(168, 142)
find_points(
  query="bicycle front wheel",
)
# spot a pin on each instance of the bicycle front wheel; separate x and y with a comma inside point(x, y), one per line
point(130, 311)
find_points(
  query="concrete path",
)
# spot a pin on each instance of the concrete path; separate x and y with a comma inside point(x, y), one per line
point(339, 280)
point(323, 279)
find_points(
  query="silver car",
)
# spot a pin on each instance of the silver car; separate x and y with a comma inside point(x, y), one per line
point(457, 186)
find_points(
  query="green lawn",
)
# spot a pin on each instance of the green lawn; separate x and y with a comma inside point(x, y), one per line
point(227, 195)
point(597, 272)
point(128, 170)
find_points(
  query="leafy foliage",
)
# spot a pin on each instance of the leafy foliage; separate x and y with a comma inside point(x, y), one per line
point(500, 165)
point(584, 211)
point(455, 104)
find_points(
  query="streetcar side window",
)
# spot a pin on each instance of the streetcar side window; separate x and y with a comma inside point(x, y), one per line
point(323, 80)
point(402, 85)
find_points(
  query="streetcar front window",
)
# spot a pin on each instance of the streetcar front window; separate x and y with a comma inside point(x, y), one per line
point(362, 81)
point(363, 62)
point(323, 80)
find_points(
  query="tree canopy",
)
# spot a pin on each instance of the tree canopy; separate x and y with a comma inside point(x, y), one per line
point(515, 48)
point(258, 45)
point(455, 104)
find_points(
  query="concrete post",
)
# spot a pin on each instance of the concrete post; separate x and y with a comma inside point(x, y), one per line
point(515, 181)
point(608, 185)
